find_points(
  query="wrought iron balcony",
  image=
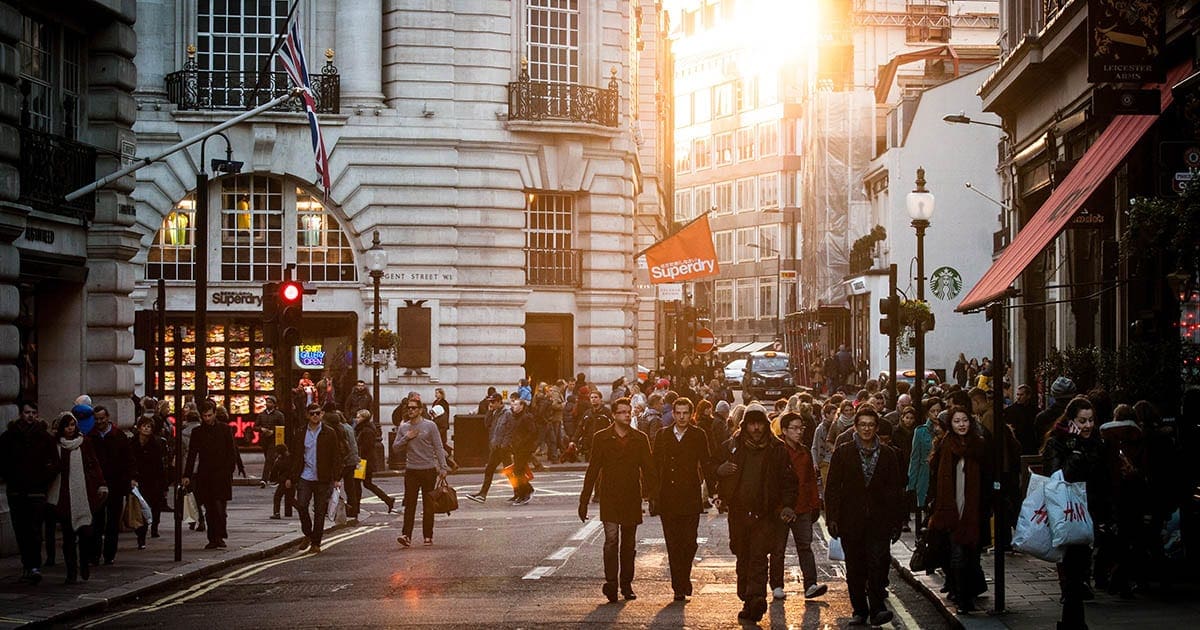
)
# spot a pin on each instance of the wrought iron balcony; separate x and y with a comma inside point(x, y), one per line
point(194, 89)
point(553, 267)
point(52, 166)
point(569, 102)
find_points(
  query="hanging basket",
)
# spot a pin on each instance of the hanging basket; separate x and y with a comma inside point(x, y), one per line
point(384, 344)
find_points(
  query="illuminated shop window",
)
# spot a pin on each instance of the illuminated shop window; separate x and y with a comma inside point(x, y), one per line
point(323, 253)
point(170, 256)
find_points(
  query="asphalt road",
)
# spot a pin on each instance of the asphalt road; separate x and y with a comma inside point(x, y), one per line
point(495, 566)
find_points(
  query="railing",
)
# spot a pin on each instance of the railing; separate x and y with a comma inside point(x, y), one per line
point(553, 267)
point(194, 89)
point(52, 166)
point(542, 100)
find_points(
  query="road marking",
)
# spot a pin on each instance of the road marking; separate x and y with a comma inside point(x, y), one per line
point(538, 573)
point(562, 554)
point(587, 530)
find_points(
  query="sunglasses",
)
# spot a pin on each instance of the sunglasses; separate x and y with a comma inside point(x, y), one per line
point(315, 413)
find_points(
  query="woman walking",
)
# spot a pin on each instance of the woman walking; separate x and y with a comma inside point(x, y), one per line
point(75, 493)
point(366, 436)
point(149, 474)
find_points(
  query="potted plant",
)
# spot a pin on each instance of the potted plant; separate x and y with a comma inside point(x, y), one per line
point(384, 343)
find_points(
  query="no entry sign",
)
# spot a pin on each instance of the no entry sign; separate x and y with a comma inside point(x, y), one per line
point(704, 341)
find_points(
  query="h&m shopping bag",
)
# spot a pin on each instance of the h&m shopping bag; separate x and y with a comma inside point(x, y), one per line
point(1033, 534)
point(1066, 505)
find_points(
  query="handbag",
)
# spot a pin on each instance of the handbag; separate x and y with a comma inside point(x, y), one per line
point(920, 555)
point(360, 471)
point(1033, 535)
point(444, 498)
point(191, 509)
point(131, 514)
point(336, 511)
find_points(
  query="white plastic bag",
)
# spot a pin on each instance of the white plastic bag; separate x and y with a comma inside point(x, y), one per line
point(191, 509)
point(1066, 505)
point(836, 553)
point(1033, 534)
point(147, 514)
point(336, 511)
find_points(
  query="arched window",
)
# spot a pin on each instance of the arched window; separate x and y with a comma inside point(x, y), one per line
point(252, 227)
point(323, 252)
point(171, 254)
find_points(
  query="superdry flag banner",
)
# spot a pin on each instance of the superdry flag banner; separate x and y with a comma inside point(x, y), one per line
point(292, 56)
point(687, 255)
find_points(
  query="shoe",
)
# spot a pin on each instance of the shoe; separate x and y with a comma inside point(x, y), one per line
point(262, 484)
point(779, 594)
point(70, 580)
point(305, 545)
point(221, 544)
point(211, 545)
point(816, 590)
point(906, 529)
point(404, 540)
point(966, 609)
point(521, 501)
point(141, 546)
point(478, 498)
point(391, 503)
point(428, 542)
point(276, 517)
point(882, 617)
point(314, 549)
point(628, 594)
point(511, 499)
point(108, 561)
point(35, 576)
point(610, 591)
point(858, 620)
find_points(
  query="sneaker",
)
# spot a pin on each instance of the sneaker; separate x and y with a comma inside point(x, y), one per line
point(779, 593)
point(512, 499)
point(478, 498)
point(521, 501)
point(816, 590)
point(404, 540)
point(428, 542)
point(881, 617)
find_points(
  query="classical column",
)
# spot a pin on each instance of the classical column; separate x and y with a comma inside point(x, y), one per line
point(12, 215)
point(156, 31)
point(359, 52)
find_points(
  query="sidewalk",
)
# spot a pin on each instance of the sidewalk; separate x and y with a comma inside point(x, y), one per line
point(1031, 598)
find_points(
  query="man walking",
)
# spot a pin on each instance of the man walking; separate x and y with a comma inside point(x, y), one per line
point(807, 509)
point(864, 507)
point(620, 461)
point(524, 441)
point(425, 465)
point(212, 445)
point(758, 486)
point(499, 423)
point(268, 422)
point(28, 463)
point(681, 463)
point(318, 470)
point(115, 452)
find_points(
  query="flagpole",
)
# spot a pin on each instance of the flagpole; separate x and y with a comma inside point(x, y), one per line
point(265, 68)
point(684, 227)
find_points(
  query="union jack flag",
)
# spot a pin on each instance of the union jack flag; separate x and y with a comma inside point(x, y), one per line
point(292, 57)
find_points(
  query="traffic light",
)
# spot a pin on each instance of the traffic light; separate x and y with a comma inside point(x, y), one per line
point(270, 313)
point(291, 311)
point(889, 316)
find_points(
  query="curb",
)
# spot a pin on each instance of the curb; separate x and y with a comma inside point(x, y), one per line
point(901, 565)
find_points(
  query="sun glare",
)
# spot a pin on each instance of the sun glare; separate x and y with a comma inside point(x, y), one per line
point(772, 33)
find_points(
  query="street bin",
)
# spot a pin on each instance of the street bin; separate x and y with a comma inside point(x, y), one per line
point(470, 440)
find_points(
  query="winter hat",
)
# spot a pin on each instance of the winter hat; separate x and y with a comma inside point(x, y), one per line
point(1063, 387)
point(755, 411)
point(722, 409)
point(84, 418)
point(663, 383)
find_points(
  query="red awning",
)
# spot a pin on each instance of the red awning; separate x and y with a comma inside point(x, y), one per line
point(1097, 164)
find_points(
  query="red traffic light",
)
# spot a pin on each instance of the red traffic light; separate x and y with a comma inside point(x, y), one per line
point(291, 292)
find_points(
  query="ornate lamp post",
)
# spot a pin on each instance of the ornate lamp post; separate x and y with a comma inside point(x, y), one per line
point(920, 208)
point(376, 262)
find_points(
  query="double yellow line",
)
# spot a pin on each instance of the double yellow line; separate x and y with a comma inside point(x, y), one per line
point(208, 585)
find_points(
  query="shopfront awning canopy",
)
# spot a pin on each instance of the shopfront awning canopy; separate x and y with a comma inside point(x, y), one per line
point(731, 347)
point(1097, 164)
point(756, 346)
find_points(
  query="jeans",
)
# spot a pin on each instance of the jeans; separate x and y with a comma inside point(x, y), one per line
point(619, 570)
point(497, 457)
point(317, 493)
point(418, 481)
point(867, 562)
point(801, 531)
point(680, 531)
point(27, 516)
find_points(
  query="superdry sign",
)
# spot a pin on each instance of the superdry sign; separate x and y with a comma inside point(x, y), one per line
point(687, 255)
point(235, 298)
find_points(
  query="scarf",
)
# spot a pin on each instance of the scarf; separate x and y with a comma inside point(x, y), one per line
point(963, 524)
point(81, 508)
point(869, 458)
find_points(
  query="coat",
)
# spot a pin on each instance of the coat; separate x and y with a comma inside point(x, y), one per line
point(92, 474)
point(918, 461)
point(329, 459)
point(623, 472)
point(858, 509)
point(115, 452)
point(211, 478)
point(149, 467)
point(781, 487)
point(367, 437)
point(1080, 459)
point(680, 466)
point(807, 497)
point(28, 458)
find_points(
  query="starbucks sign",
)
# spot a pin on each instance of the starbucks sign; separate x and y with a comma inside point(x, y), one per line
point(945, 282)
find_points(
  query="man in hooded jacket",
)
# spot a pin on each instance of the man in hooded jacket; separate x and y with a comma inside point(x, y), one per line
point(759, 488)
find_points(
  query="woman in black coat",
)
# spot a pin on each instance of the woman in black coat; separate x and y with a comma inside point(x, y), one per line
point(366, 436)
point(149, 473)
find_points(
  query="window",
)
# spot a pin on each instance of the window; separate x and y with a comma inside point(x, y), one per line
point(768, 240)
point(746, 94)
point(703, 200)
point(724, 202)
point(683, 157)
point(702, 153)
point(552, 40)
point(683, 204)
point(170, 257)
point(768, 138)
point(745, 143)
point(723, 243)
point(233, 38)
point(724, 145)
point(701, 105)
point(549, 239)
point(50, 66)
point(744, 308)
point(723, 100)
point(742, 252)
point(746, 195)
point(323, 253)
point(251, 214)
point(768, 190)
point(766, 298)
point(723, 299)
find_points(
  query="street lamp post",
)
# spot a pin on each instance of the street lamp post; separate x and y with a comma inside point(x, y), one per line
point(920, 208)
point(376, 263)
point(778, 273)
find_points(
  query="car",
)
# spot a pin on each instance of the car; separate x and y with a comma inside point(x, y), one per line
point(768, 376)
point(910, 376)
point(733, 372)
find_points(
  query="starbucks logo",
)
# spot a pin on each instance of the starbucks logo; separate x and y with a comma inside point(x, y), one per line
point(946, 282)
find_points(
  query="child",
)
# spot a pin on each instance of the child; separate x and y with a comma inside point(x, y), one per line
point(281, 471)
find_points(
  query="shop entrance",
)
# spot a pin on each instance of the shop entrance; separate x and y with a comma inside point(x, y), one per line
point(549, 346)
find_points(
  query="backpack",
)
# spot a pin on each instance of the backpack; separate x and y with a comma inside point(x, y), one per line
point(343, 447)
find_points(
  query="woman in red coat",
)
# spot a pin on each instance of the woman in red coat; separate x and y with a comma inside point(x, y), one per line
point(75, 493)
point(807, 509)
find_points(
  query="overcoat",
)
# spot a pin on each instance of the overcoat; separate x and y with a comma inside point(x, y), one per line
point(621, 471)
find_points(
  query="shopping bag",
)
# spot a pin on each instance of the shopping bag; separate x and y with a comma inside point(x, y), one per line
point(836, 553)
point(191, 509)
point(1066, 505)
point(360, 471)
point(147, 514)
point(131, 514)
point(443, 498)
point(336, 511)
point(512, 476)
point(1033, 535)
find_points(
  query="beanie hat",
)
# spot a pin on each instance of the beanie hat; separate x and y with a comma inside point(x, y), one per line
point(722, 409)
point(754, 411)
point(1062, 387)
point(663, 383)
point(84, 417)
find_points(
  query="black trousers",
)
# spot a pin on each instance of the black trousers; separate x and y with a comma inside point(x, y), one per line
point(106, 527)
point(318, 494)
point(369, 484)
point(751, 539)
point(620, 546)
point(285, 494)
point(75, 547)
point(418, 481)
point(28, 513)
point(868, 559)
point(521, 469)
point(680, 531)
point(497, 458)
point(353, 491)
point(1072, 577)
point(215, 519)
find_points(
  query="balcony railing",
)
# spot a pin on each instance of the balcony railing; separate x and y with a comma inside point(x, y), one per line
point(570, 102)
point(52, 166)
point(553, 267)
point(194, 89)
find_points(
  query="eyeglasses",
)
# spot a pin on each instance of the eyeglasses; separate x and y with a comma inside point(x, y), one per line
point(315, 412)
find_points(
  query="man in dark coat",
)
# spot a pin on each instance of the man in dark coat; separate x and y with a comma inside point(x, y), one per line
point(28, 463)
point(211, 444)
point(759, 489)
point(1022, 417)
point(681, 463)
point(864, 507)
point(115, 452)
point(620, 461)
point(316, 472)
point(524, 442)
